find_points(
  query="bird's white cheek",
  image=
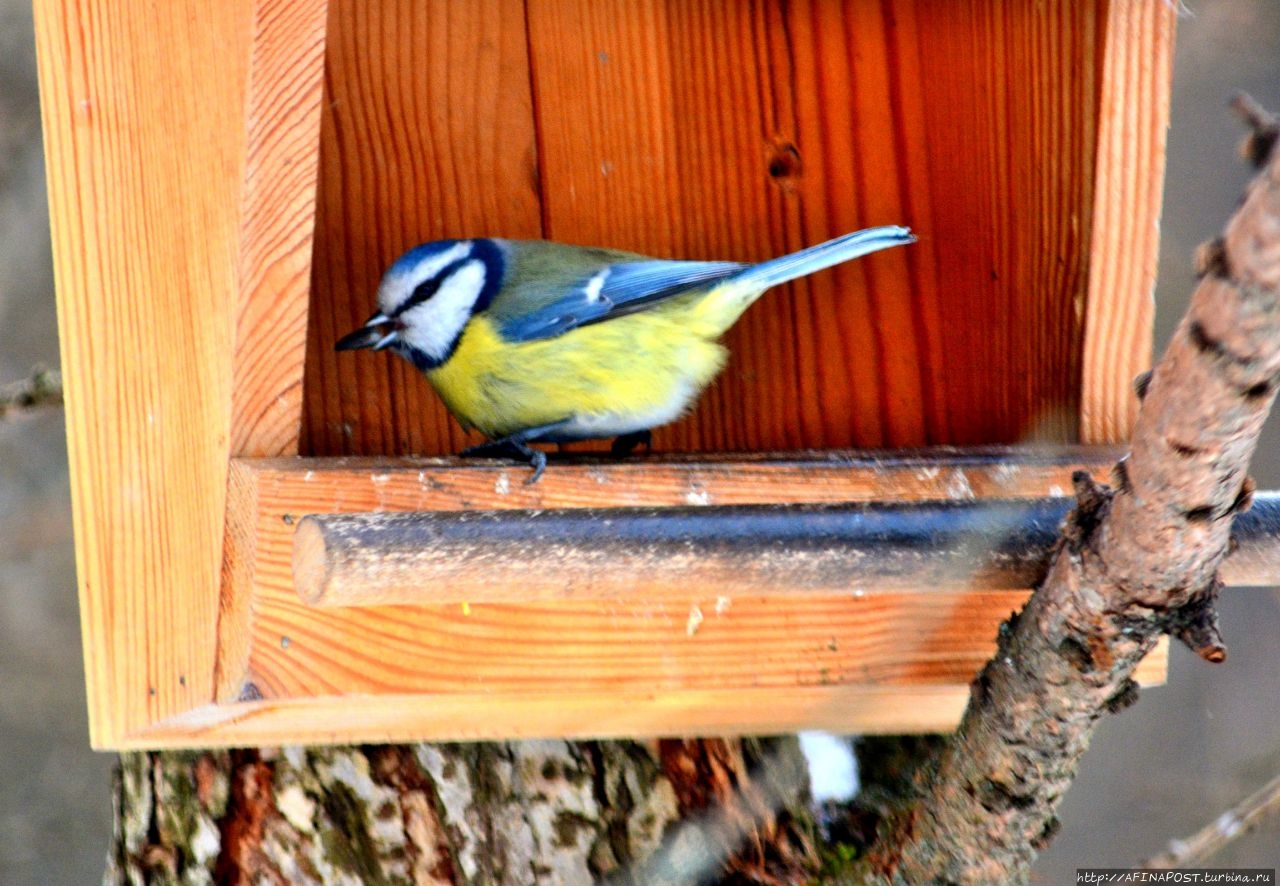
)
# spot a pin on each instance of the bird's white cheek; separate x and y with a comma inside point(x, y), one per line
point(433, 327)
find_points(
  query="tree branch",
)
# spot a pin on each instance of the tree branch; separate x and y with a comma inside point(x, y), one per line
point(1227, 827)
point(1135, 561)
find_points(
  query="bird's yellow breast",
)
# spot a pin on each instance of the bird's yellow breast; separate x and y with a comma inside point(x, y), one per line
point(627, 374)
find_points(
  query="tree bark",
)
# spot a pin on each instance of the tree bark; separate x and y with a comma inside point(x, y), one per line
point(538, 812)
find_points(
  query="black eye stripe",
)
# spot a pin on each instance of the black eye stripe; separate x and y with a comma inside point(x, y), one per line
point(429, 287)
point(484, 251)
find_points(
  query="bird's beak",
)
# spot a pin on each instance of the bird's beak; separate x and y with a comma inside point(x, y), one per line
point(373, 334)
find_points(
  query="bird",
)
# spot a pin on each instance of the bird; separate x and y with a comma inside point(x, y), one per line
point(535, 341)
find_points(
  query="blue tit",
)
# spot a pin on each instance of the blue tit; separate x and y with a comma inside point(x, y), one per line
point(532, 341)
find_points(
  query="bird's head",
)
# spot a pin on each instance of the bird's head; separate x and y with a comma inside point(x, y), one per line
point(427, 297)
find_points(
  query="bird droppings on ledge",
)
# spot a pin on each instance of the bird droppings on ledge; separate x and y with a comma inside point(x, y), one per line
point(695, 619)
point(697, 495)
point(958, 487)
point(1007, 473)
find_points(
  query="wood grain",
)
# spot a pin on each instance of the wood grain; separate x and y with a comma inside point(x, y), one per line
point(235, 599)
point(532, 714)
point(676, 126)
point(1137, 72)
point(144, 137)
point(744, 130)
point(702, 642)
point(585, 652)
point(427, 132)
point(277, 225)
point(302, 486)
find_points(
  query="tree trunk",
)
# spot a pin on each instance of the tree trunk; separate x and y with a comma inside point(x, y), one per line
point(537, 812)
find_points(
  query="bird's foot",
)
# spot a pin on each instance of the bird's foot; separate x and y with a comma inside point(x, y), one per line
point(513, 449)
point(517, 447)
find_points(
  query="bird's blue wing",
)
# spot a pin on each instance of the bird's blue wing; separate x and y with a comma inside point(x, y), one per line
point(614, 291)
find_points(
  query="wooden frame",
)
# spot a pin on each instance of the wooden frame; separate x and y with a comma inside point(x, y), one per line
point(184, 322)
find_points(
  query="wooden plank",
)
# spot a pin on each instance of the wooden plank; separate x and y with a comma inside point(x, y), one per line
point(235, 600)
point(277, 224)
point(299, 486)
point(585, 653)
point(865, 710)
point(1134, 119)
point(533, 714)
point(1010, 91)
point(702, 642)
point(145, 244)
point(806, 122)
point(477, 716)
point(427, 132)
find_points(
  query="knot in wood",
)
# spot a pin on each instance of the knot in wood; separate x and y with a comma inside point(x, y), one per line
point(784, 163)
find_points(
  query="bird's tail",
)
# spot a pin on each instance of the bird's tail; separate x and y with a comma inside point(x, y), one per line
point(824, 255)
point(721, 307)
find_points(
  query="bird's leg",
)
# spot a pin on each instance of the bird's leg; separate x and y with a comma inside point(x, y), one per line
point(624, 444)
point(512, 447)
point(516, 446)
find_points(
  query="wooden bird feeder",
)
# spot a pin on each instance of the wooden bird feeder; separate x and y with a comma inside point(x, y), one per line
point(228, 180)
